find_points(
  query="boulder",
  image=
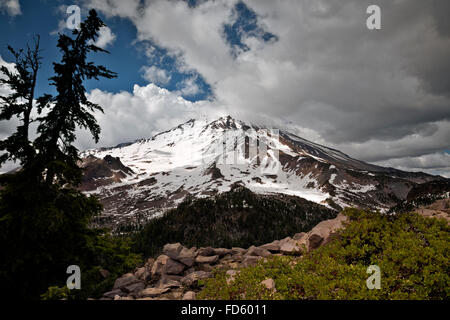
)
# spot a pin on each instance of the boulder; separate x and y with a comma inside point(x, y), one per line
point(323, 232)
point(209, 260)
point(257, 251)
point(134, 288)
point(269, 284)
point(208, 251)
point(179, 253)
point(298, 236)
point(237, 257)
point(124, 298)
point(236, 250)
point(190, 295)
point(152, 292)
point(159, 266)
point(173, 295)
point(113, 293)
point(169, 281)
point(272, 247)
point(173, 267)
point(189, 270)
point(172, 250)
point(191, 280)
point(187, 257)
point(125, 280)
point(290, 247)
point(149, 263)
point(221, 251)
point(142, 273)
point(104, 273)
point(205, 267)
point(250, 261)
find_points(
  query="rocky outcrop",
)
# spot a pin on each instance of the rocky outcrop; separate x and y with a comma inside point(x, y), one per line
point(439, 209)
point(101, 172)
point(178, 272)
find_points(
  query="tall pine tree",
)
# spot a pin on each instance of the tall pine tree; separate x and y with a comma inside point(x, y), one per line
point(20, 102)
point(44, 219)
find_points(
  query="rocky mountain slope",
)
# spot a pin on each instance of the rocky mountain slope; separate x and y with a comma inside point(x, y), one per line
point(178, 271)
point(141, 180)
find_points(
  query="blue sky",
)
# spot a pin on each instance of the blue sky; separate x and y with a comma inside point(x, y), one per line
point(42, 17)
point(127, 56)
point(310, 66)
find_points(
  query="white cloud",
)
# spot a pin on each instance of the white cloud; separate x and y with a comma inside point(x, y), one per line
point(4, 90)
point(7, 127)
point(106, 37)
point(155, 75)
point(12, 7)
point(141, 114)
point(189, 86)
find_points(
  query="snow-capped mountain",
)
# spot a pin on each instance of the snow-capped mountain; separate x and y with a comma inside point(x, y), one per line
point(199, 158)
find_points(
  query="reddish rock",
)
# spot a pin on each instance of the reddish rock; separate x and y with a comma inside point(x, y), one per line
point(190, 295)
point(174, 267)
point(257, 251)
point(152, 292)
point(250, 261)
point(236, 250)
point(191, 280)
point(159, 266)
point(269, 284)
point(272, 247)
point(221, 251)
point(208, 251)
point(209, 260)
point(290, 248)
point(325, 231)
point(125, 280)
point(169, 281)
point(298, 236)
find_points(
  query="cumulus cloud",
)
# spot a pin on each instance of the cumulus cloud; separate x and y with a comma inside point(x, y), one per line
point(189, 86)
point(4, 90)
point(377, 95)
point(155, 75)
point(105, 37)
point(11, 7)
point(7, 127)
point(142, 113)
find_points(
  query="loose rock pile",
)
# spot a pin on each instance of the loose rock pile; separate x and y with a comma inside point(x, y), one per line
point(176, 273)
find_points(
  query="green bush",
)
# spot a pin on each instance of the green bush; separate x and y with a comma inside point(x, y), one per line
point(56, 293)
point(411, 251)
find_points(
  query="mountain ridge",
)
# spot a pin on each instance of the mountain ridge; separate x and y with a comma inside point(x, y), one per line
point(201, 158)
